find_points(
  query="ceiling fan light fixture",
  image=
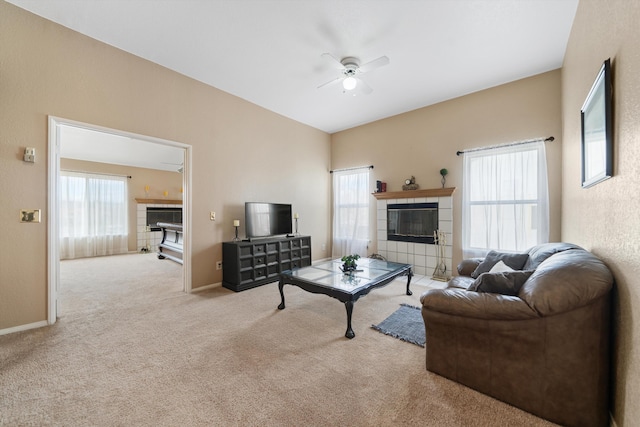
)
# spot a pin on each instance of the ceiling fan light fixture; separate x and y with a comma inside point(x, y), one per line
point(349, 83)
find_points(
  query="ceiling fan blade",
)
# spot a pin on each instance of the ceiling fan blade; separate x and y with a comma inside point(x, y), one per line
point(330, 82)
point(337, 64)
point(372, 65)
point(364, 87)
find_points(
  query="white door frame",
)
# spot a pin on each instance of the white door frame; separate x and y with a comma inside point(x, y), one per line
point(53, 224)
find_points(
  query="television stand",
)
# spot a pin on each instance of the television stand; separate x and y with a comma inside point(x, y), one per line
point(248, 264)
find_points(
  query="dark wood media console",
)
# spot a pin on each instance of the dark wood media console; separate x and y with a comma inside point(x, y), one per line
point(171, 245)
point(247, 264)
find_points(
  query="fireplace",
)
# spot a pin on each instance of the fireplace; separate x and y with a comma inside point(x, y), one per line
point(149, 235)
point(412, 222)
point(423, 256)
point(163, 214)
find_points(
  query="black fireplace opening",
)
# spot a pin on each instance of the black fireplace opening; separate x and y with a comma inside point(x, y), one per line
point(156, 215)
point(412, 222)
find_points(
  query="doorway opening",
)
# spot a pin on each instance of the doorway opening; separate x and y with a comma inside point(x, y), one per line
point(58, 128)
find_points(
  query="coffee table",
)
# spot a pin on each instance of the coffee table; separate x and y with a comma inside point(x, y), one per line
point(327, 278)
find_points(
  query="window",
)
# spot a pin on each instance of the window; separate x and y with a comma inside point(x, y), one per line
point(505, 199)
point(93, 215)
point(351, 194)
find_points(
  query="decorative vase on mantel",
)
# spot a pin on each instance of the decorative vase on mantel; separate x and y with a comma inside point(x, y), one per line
point(444, 173)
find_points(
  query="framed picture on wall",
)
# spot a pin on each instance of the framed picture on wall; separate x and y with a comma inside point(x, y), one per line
point(597, 130)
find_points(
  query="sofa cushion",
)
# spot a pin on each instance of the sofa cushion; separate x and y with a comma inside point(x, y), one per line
point(460, 282)
point(504, 283)
point(513, 260)
point(539, 253)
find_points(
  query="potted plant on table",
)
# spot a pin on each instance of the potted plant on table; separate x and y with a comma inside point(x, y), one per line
point(349, 262)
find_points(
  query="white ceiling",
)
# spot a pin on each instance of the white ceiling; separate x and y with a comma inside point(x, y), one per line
point(269, 52)
point(80, 143)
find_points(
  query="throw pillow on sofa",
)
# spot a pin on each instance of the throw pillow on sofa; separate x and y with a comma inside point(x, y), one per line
point(505, 283)
point(500, 267)
point(515, 261)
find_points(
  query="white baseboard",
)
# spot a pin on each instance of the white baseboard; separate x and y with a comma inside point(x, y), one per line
point(24, 327)
point(204, 288)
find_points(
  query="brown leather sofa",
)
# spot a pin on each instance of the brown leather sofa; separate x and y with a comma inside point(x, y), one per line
point(544, 348)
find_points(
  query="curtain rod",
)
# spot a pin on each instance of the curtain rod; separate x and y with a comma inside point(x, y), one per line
point(350, 169)
point(509, 144)
point(95, 173)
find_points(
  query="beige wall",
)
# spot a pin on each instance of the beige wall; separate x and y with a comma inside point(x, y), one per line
point(422, 142)
point(48, 70)
point(604, 218)
point(157, 180)
point(241, 152)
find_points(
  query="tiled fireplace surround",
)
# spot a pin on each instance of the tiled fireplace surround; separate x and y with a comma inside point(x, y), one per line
point(144, 236)
point(422, 256)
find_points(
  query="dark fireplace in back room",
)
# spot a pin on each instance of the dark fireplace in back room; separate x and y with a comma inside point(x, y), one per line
point(412, 222)
point(156, 215)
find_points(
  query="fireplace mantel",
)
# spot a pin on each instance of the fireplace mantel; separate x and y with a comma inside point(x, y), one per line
point(159, 201)
point(412, 194)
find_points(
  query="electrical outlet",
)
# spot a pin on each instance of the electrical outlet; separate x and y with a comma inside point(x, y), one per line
point(30, 154)
point(324, 247)
point(212, 216)
point(219, 265)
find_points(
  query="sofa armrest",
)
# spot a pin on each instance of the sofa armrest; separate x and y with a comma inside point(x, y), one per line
point(467, 266)
point(460, 302)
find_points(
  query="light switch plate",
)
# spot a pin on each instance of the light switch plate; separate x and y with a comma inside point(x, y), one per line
point(29, 215)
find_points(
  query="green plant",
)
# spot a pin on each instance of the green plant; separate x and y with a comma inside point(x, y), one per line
point(443, 172)
point(349, 261)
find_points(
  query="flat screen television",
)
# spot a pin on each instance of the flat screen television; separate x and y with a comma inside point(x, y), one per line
point(267, 219)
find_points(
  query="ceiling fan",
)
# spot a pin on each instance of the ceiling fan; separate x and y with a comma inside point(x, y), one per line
point(180, 166)
point(350, 69)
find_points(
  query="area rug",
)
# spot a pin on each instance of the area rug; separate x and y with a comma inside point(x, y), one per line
point(405, 324)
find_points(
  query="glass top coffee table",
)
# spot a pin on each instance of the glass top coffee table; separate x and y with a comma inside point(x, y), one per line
point(327, 278)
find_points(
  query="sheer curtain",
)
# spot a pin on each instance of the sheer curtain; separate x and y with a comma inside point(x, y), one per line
point(505, 203)
point(93, 215)
point(351, 194)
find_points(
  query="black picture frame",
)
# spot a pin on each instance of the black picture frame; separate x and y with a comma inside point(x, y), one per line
point(597, 130)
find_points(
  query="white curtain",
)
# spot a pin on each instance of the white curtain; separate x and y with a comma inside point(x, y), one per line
point(351, 195)
point(93, 215)
point(505, 203)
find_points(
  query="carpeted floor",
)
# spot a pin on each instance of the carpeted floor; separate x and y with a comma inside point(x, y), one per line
point(131, 349)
